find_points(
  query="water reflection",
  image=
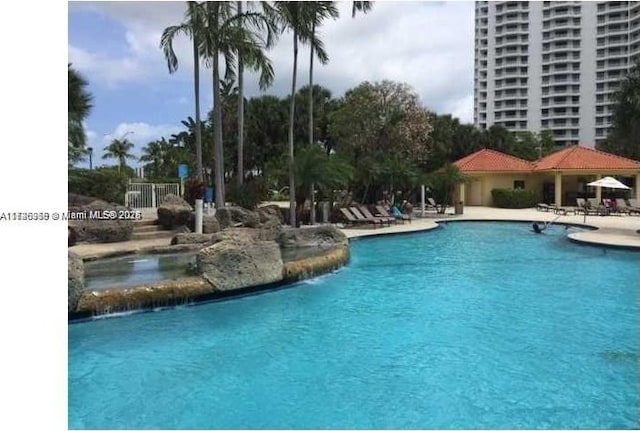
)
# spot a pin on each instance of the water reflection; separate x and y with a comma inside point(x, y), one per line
point(130, 270)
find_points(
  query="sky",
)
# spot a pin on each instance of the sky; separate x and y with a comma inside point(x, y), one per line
point(115, 46)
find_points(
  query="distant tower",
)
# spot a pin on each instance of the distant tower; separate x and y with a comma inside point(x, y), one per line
point(552, 65)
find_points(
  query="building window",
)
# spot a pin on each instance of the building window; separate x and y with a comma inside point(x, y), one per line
point(518, 185)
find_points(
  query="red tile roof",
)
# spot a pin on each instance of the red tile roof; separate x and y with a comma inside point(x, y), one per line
point(492, 161)
point(577, 157)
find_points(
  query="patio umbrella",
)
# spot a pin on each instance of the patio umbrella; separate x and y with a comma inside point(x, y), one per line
point(606, 182)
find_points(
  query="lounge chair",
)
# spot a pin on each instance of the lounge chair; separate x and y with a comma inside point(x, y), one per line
point(545, 207)
point(566, 210)
point(585, 207)
point(383, 212)
point(431, 204)
point(385, 219)
point(598, 207)
point(622, 207)
point(633, 206)
point(350, 219)
point(356, 212)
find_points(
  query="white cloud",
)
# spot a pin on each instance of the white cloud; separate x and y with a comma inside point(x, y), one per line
point(105, 69)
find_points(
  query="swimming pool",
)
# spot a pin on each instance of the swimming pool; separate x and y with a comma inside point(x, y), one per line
point(474, 325)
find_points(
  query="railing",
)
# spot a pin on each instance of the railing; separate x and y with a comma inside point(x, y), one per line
point(149, 195)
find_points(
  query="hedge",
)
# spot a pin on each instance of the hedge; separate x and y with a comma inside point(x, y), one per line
point(106, 184)
point(520, 198)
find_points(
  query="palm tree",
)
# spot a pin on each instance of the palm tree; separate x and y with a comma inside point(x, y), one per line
point(78, 110)
point(193, 26)
point(267, 25)
point(119, 149)
point(361, 6)
point(314, 166)
point(320, 12)
point(298, 17)
point(153, 153)
point(225, 35)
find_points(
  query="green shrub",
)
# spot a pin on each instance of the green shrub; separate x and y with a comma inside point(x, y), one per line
point(520, 198)
point(106, 184)
point(249, 194)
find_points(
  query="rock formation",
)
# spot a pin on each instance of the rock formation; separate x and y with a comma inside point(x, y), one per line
point(173, 212)
point(76, 279)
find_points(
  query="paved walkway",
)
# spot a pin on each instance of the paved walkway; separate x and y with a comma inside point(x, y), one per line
point(621, 231)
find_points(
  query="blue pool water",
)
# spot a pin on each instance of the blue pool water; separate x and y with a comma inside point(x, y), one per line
point(474, 325)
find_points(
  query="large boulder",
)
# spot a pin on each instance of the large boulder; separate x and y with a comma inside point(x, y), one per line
point(245, 234)
point(210, 224)
point(270, 212)
point(190, 238)
point(173, 212)
point(238, 262)
point(72, 239)
point(236, 217)
point(75, 200)
point(322, 236)
point(270, 221)
point(76, 280)
point(88, 227)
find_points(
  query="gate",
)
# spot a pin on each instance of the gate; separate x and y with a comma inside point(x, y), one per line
point(149, 195)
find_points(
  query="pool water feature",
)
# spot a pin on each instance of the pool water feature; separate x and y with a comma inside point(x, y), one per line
point(136, 269)
point(473, 325)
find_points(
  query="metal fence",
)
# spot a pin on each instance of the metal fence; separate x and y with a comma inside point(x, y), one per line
point(148, 195)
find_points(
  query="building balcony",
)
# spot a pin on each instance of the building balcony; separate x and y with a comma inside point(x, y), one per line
point(604, 31)
point(516, 98)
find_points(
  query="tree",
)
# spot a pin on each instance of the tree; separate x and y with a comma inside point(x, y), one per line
point(262, 23)
point(361, 6)
point(79, 107)
point(153, 155)
point(119, 149)
point(227, 35)
point(298, 17)
point(193, 26)
point(314, 166)
point(444, 181)
point(320, 11)
point(376, 119)
point(381, 127)
point(624, 139)
point(266, 130)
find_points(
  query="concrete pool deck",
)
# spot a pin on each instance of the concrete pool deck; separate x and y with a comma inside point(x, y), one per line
point(613, 230)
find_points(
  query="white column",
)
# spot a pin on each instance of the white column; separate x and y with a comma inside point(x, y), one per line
point(198, 216)
point(598, 190)
point(462, 192)
point(638, 188)
point(422, 200)
point(558, 189)
point(153, 196)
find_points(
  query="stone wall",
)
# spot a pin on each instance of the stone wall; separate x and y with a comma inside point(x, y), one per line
point(239, 260)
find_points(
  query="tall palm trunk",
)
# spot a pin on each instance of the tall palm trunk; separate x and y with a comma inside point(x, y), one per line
point(313, 203)
point(196, 89)
point(240, 113)
point(217, 132)
point(292, 107)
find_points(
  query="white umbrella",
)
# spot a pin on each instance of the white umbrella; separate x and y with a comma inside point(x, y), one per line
point(606, 182)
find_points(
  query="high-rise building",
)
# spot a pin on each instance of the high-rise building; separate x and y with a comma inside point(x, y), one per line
point(553, 65)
